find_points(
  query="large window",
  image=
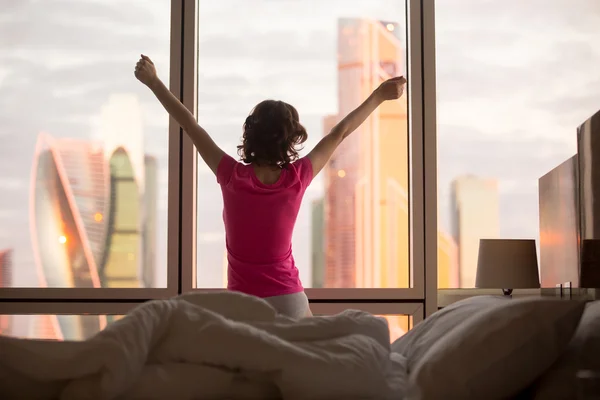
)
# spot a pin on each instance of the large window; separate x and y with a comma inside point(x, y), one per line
point(325, 58)
point(103, 195)
point(84, 147)
point(514, 81)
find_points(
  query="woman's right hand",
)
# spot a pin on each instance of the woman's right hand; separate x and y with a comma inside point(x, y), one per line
point(145, 71)
point(391, 89)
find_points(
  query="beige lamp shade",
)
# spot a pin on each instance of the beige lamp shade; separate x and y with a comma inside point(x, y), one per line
point(507, 264)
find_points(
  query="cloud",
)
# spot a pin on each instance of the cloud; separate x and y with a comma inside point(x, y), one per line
point(508, 62)
point(60, 63)
point(514, 81)
point(268, 47)
point(12, 213)
point(95, 28)
point(203, 168)
point(211, 237)
point(583, 101)
point(223, 95)
point(516, 165)
point(11, 184)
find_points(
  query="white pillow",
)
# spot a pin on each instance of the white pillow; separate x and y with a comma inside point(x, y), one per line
point(415, 343)
point(583, 353)
point(498, 353)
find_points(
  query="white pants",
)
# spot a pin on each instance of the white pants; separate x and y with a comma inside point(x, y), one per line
point(293, 305)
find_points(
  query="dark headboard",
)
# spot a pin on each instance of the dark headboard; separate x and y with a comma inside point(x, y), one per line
point(588, 150)
point(559, 225)
point(569, 197)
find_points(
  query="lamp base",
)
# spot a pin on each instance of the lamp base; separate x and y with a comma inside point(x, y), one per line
point(507, 292)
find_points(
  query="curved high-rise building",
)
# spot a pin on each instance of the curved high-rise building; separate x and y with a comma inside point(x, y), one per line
point(68, 205)
point(121, 131)
point(121, 127)
point(69, 185)
point(92, 222)
point(149, 230)
point(6, 267)
point(122, 249)
point(366, 207)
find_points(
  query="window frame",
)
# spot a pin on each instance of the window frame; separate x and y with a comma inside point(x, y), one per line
point(423, 269)
point(420, 299)
point(429, 115)
point(174, 237)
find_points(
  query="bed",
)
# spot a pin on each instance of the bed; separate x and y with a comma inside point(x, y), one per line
point(228, 345)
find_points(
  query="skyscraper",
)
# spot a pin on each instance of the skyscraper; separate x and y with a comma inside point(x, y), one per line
point(90, 226)
point(123, 248)
point(317, 243)
point(366, 203)
point(448, 276)
point(149, 224)
point(121, 132)
point(225, 269)
point(121, 127)
point(475, 215)
point(67, 208)
point(6, 267)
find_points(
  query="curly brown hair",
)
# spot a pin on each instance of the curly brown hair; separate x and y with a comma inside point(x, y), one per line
point(272, 135)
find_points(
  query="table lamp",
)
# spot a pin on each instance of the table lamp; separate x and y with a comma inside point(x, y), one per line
point(507, 264)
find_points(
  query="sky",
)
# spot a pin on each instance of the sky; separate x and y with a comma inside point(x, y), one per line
point(514, 80)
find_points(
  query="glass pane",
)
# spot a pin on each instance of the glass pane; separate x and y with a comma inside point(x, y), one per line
point(54, 327)
point(324, 58)
point(83, 159)
point(399, 324)
point(81, 327)
point(514, 82)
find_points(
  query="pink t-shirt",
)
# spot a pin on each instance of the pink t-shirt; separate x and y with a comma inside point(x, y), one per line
point(259, 221)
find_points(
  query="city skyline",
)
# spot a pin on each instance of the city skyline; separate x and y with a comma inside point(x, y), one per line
point(475, 216)
point(92, 215)
point(368, 176)
point(5, 281)
point(90, 224)
point(61, 84)
point(123, 126)
point(366, 179)
point(259, 73)
point(360, 227)
point(57, 82)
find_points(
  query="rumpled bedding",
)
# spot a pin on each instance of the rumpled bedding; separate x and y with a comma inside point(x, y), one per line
point(210, 346)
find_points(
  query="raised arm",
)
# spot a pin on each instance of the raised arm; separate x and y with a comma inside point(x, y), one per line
point(389, 90)
point(145, 72)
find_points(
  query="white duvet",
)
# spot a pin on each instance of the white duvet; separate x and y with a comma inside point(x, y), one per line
point(210, 346)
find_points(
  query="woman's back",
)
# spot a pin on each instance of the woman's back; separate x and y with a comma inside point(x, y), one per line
point(259, 222)
point(259, 218)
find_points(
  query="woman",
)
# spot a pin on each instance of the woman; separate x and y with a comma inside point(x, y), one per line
point(262, 195)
